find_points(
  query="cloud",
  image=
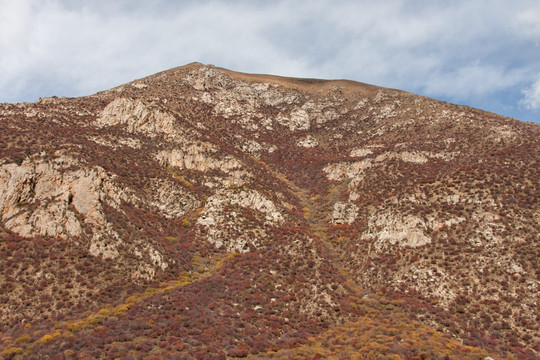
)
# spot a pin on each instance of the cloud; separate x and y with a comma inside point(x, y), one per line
point(531, 96)
point(527, 21)
point(49, 46)
point(457, 50)
point(473, 79)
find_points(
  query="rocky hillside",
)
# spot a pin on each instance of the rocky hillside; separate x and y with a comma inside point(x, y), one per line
point(201, 213)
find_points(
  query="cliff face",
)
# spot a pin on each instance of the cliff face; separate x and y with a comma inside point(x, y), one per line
point(203, 210)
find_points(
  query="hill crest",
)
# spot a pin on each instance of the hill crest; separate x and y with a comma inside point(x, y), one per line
point(281, 213)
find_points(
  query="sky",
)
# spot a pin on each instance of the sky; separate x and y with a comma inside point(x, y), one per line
point(481, 53)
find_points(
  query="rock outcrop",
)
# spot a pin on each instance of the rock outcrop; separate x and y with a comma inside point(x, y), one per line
point(210, 213)
point(218, 221)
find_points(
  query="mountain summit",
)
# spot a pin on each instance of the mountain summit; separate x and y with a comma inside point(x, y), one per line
point(201, 213)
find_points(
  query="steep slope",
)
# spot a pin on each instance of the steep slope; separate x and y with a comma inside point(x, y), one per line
point(203, 213)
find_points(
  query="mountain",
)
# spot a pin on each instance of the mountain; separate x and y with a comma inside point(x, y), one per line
point(201, 213)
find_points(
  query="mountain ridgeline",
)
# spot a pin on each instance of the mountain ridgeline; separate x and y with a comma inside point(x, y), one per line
point(201, 213)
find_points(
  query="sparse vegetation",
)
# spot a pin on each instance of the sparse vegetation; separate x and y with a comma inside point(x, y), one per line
point(406, 229)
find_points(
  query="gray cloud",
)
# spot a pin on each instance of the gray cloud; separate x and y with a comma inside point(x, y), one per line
point(462, 51)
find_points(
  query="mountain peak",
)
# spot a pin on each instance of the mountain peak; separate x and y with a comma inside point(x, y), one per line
point(201, 212)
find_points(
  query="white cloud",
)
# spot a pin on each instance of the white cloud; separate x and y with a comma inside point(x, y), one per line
point(527, 21)
point(460, 49)
point(531, 96)
point(472, 80)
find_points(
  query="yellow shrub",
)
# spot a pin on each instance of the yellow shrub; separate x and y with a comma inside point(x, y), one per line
point(150, 291)
point(104, 312)
point(23, 339)
point(186, 223)
point(121, 309)
point(75, 326)
point(94, 320)
point(45, 338)
point(132, 300)
point(12, 351)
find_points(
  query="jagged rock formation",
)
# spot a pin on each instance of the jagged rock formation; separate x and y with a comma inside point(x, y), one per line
point(204, 213)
